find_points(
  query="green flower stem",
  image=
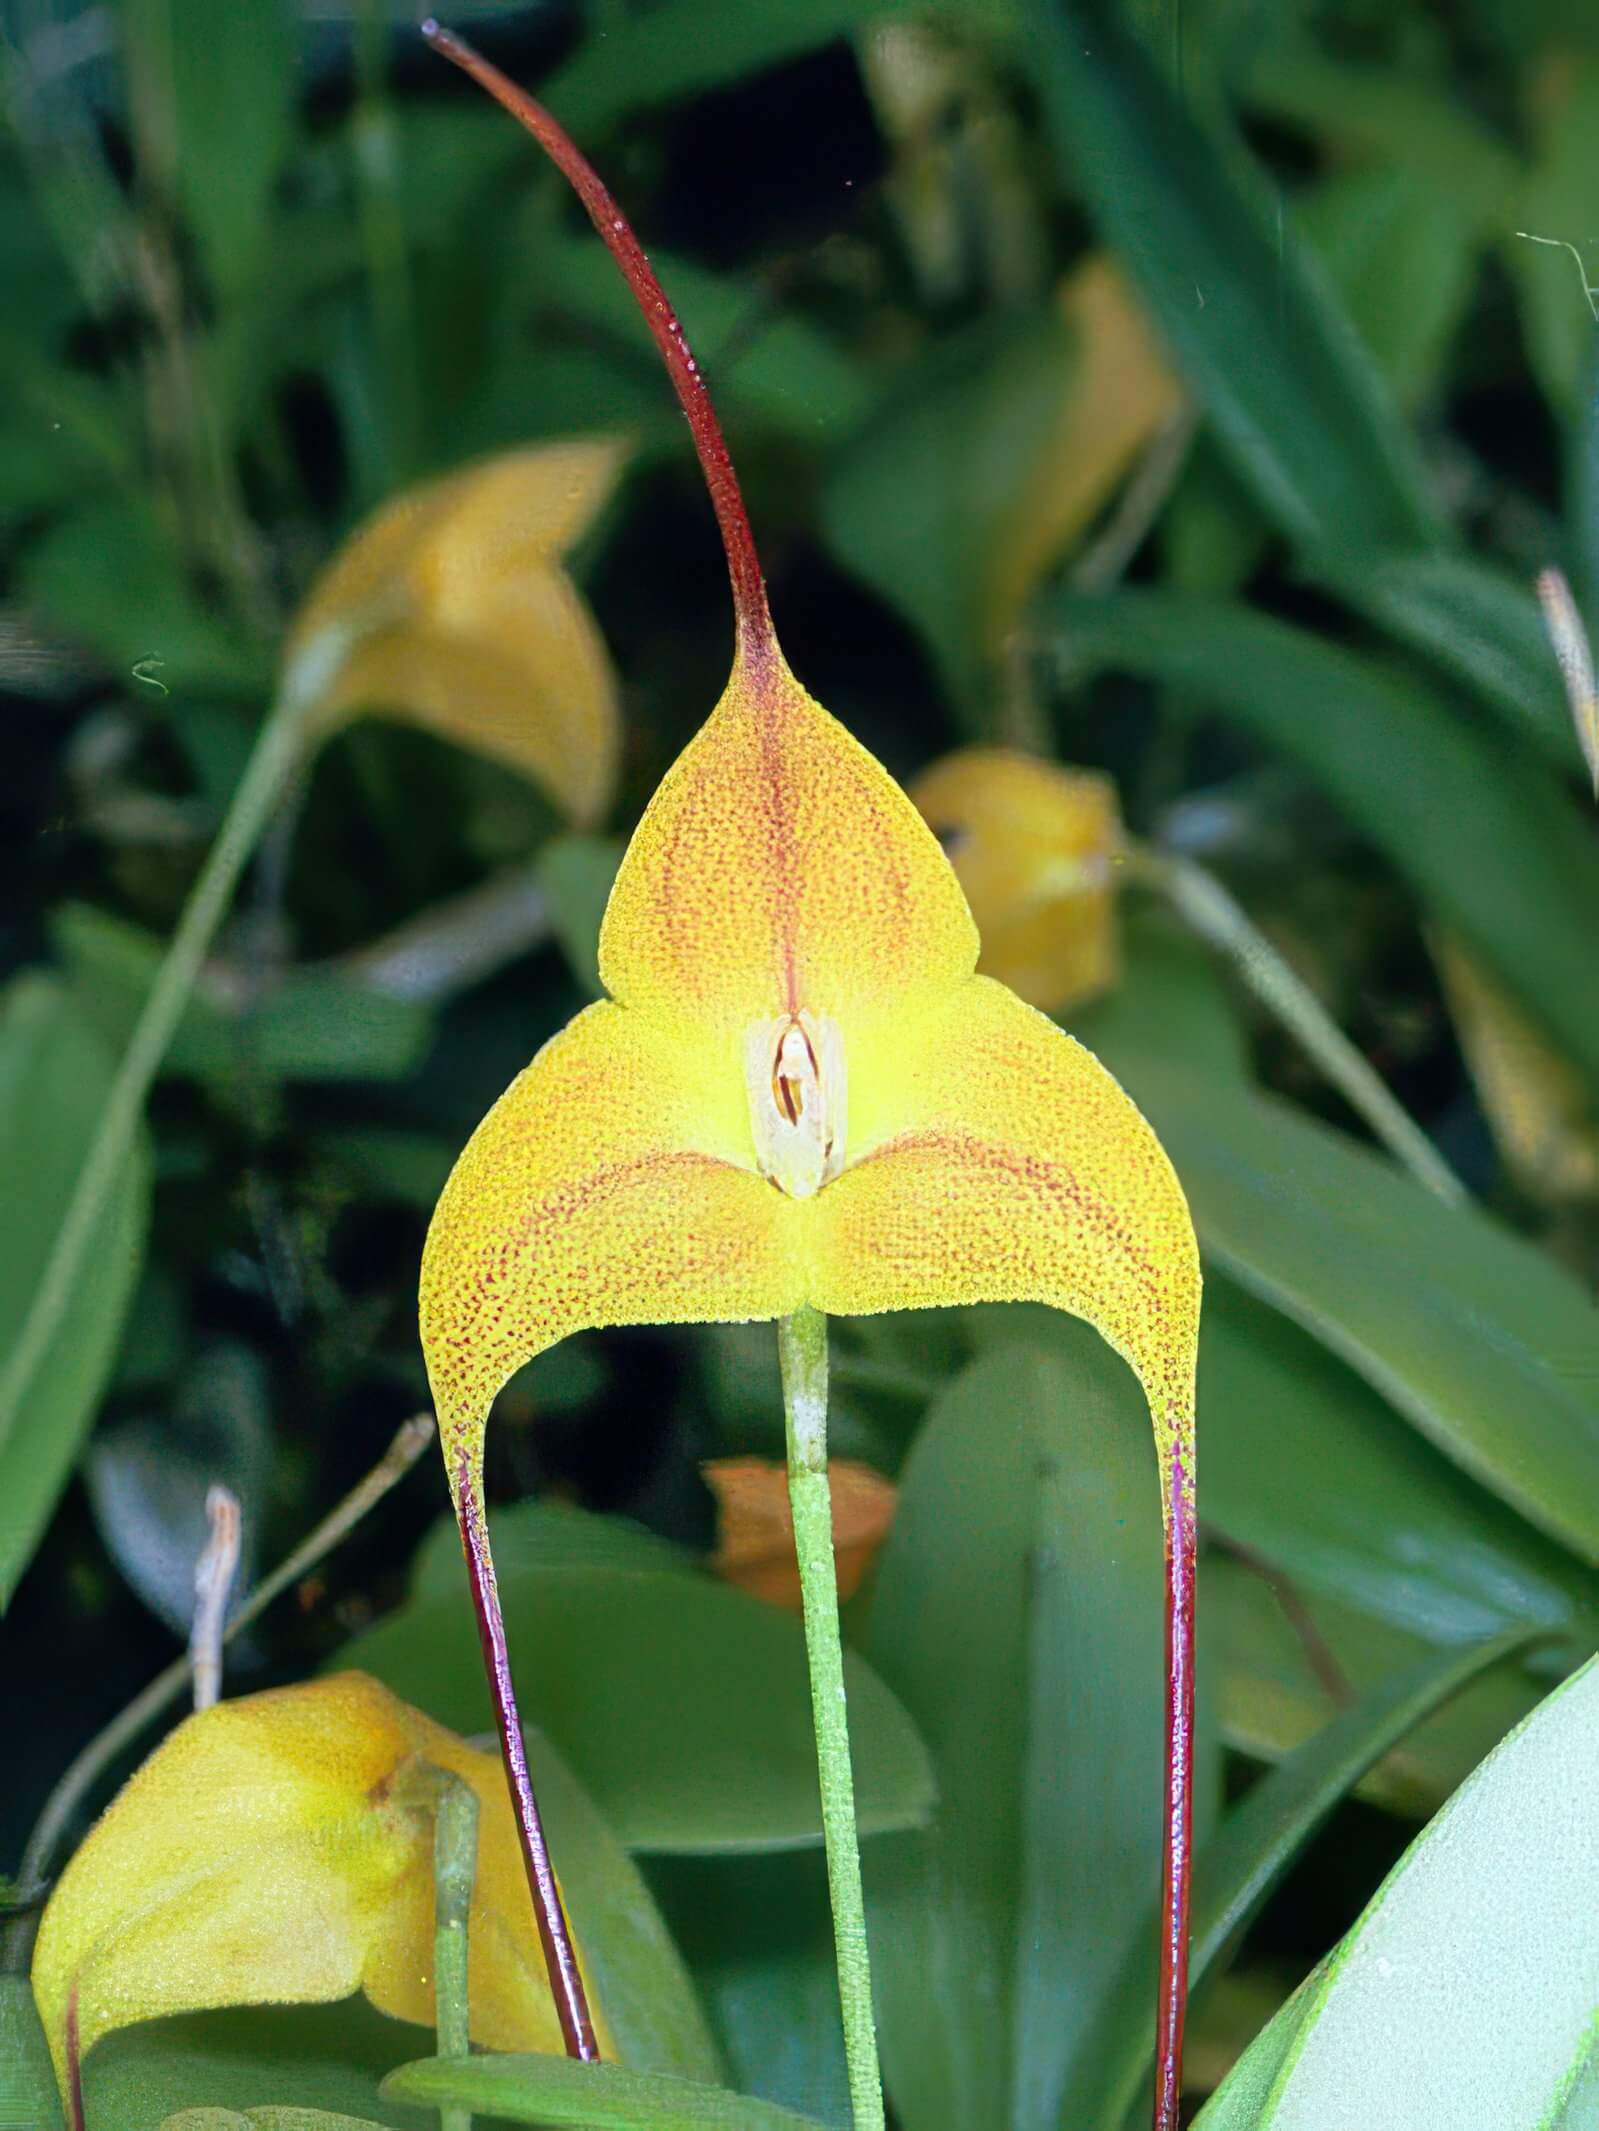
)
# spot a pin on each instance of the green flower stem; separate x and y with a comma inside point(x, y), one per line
point(1205, 905)
point(802, 1349)
point(277, 751)
point(454, 1869)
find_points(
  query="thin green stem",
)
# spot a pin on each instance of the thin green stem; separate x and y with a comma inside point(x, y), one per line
point(276, 751)
point(802, 1349)
point(1204, 904)
point(454, 1869)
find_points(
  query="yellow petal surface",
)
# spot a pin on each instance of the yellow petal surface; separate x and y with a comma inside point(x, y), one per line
point(1017, 1170)
point(612, 1183)
point(462, 621)
point(1034, 846)
point(755, 1538)
point(259, 1856)
point(780, 867)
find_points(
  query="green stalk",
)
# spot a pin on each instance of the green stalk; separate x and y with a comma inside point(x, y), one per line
point(454, 1869)
point(1205, 905)
point(276, 753)
point(802, 1349)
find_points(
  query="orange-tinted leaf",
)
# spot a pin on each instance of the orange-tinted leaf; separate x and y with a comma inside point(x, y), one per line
point(755, 1536)
point(1034, 846)
point(461, 619)
point(269, 1852)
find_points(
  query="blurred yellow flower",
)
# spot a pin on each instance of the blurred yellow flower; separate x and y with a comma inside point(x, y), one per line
point(273, 1851)
point(461, 619)
point(1035, 847)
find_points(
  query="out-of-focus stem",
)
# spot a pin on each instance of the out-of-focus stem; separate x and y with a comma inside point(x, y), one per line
point(1203, 903)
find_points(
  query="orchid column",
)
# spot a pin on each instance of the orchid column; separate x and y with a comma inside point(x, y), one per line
point(799, 1098)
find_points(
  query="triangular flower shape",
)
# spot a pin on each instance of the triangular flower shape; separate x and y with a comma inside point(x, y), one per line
point(799, 1093)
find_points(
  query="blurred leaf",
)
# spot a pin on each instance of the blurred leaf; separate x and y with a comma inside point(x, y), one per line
point(1273, 1698)
point(682, 1705)
point(575, 873)
point(1018, 1610)
point(1555, 202)
point(1400, 253)
point(1171, 998)
point(1237, 2102)
point(232, 79)
point(55, 1076)
point(1477, 1955)
point(1541, 1112)
point(111, 577)
point(266, 2120)
point(767, 362)
point(449, 607)
point(1273, 360)
point(1486, 839)
point(1475, 625)
point(534, 1535)
point(1476, 1337)
point(28, 2097)
point(553, 2090)
point(312, 1024)
point(317, 2057)
point(1405, 120)
point(307, 1875)
point(1236, 1870)
point(1034, 847)
point(679, 48)
point(918, 502)
point(757, 1933)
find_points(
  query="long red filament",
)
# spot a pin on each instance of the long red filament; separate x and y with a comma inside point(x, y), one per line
point(560, 1960)
point(1176, 1850)
point(752, 618)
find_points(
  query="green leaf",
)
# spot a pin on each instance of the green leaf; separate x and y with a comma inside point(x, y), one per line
point(1018, 1612)
point(682, 1704)
point(916, 499)
point(1477, 1338)
point(637, 1972)
point(28, 2097)
point(1472, 1978)
point(1404, 1534)
point(1257, 1842)
point(1236, 2104)
point(1475, 625)
point(554, 2090)
point(1272, 1698)
point(55, 1075)
point(328, 2057)
point(1379, 232)
point(680, 48)
point(218, 94)
point(312, 1024)
point(1486, 838)
point(1555, 204)
point(1171, 996)
point(575, 873)
point(1293, 395)
point(757, 1932)
point(266, 2120)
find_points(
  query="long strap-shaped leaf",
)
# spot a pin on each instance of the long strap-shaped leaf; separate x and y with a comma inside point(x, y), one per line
point(602, 2097)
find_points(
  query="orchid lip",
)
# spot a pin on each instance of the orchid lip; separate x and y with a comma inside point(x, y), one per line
point(794, 1076)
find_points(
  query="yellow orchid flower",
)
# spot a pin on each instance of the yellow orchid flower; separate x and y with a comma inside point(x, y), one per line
point(460, 619)
point(273, 1851)
point(800, 1097)
point(1034, 847)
